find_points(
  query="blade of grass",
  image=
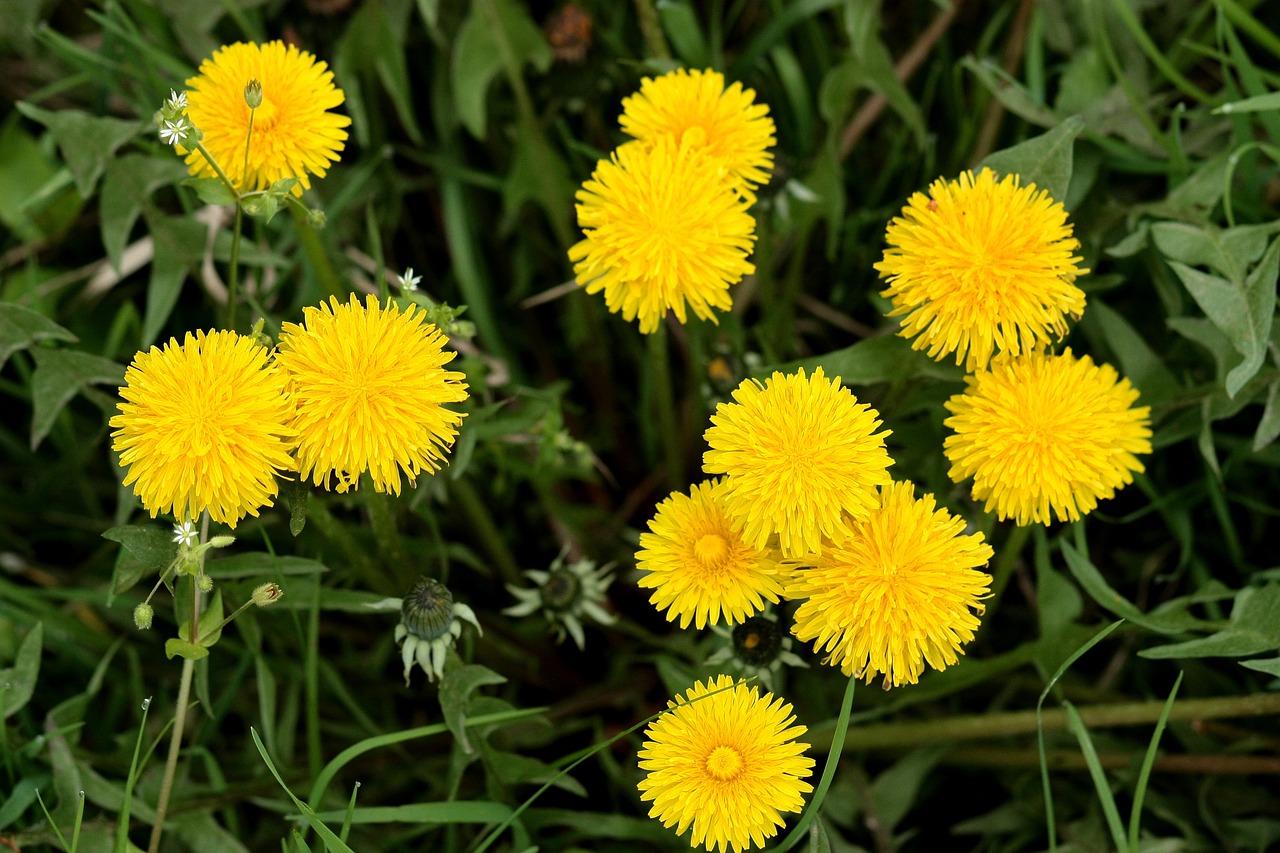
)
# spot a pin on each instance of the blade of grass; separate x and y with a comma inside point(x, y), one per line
point(1076, 726)
point(1148, 761)
point(828, 772)
point(62, 840)
point(351, 807)
point(121, 844)
point(332, 841)
point(1044, 764)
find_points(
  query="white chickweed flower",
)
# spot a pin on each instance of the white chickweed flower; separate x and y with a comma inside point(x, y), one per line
point(172, 132)
point(408, 281)
point(185, 534)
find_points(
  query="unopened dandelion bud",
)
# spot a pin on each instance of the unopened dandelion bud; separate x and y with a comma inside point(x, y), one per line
point(428, 609)
point(268, 593)
point(204, 583)
point(221, 541)
point(142, 615)
point(253, 93)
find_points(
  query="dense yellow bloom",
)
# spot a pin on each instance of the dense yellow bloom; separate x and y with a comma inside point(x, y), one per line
point(698, 565)
point(803, 460)
point(1044, 434)
point(726, 764)
point(370, 386)
point(293, 135)
point(900, 591)
point(695, 105)
point(664, 229)
point(204, 426)
point(980, 266)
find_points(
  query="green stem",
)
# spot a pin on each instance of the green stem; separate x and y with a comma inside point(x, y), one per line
point(651, 29)
point(383, 524)
point(217, 170)
point(1010, 551)
point(233, 276)
point(179, 727)
point(838, 741)
point(664, 399)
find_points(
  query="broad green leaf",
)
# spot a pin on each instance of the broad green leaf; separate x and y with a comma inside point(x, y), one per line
point(372, 48)
point(1254, 627)
point(1138, 362)
point(211, 190)
point(680, 23)
point(1091, 579)
point(538, 173)
point(259, 564)
point(894, 791)
point(177, 647)
point(18, 682)
point(1207, 335)
point(888, 358)
point(20, 327)
point(1269, 425)
point(60, 374)
point(1271, 666)
point(478, 55)
point(179, 243)
point(1058, 604)
point(147, 548)
point(456, 688)
point(28, 175)
point(126, 189)
point(1229, 252)
point(1044, 160)
point(87, 142)
point(1010, 91)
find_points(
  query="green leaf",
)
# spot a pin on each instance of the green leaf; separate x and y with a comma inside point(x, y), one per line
point(1058, 603)
point(680, 23)
point(1229, 252)
point(176, 647)
point(1138, 362)
point(894, 791)
point(455, 695)
point(211, 190)
point(87, 142)
point(296, 493)
point(18, 682)
point(538, 173)
point(210, 629)
point(1270, 666)
point(1269, 425)
point(1044, 160)
point(126, 189)
point(265, 206)
point(179, 244)
point(373, 47)
point(146, 548)
point(1091, 579)
point(1256, 104)
point(20, 327)
point(332, 842)
point(470, 811)
point(36, 201)
point(256, 564)
point(1254, 627)
point(478, 55)
point(888, 358)
point(60, 374)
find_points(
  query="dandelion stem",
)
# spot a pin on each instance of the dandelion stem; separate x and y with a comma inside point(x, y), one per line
point(664, 400)
point(1009, 554)
point(233, 276)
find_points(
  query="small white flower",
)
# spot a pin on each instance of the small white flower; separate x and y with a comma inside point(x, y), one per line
point(185, 534)
point(566, 595)
point(172, 132)
point(408, 281)
point(177, 100)
point(430, 623)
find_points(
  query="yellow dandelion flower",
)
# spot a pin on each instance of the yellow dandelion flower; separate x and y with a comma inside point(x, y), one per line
point(980, 266)
point(204, 426)
point(1046, 434)
point(293, 134)
point(698, 566)
point(726, 763)
point(695, 104)
point(901, 591)
point(664, 229)
point(803, 460)
point(370, 386)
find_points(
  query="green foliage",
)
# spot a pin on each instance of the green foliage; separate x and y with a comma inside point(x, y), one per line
point(1157, 125)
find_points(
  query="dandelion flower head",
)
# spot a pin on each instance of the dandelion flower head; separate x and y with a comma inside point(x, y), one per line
point(371, 389)
point(1046, 435)
point(204, 426)
point(725, 761)
point(699, 567)
point(695, 104)
point(901, 591)
point(803, 458)
point(981, 266)
point(294, 135)
point(664, 230)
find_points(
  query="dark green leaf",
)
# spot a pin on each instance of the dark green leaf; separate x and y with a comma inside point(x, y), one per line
point(1044, 160)
point(18, 682)
point(1254, 628)
point(456, 688)
point(680, 23)
point(175, 647)
point(147, 548)
point(259, 564)
point(1094, 584)
point(60, 374)
point(179, 244)
point(126, 189)
point(211, 190)
point(20, 327)
point(478, 55)
point(888, 358)
point(1271, 666)
point(87, 142)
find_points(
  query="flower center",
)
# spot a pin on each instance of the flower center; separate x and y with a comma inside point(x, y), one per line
point(264, 117)
point(562, 590)
point(757, 641)
point(711, 550)
point(724, 763)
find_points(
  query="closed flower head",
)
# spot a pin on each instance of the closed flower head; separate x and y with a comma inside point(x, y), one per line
point(695, 105)
point(1045, 435)
point(981, 266)
point(294, 135)
point(803, 458)
point(665, 230)
point(371, 389)
point(901, 591)
point(700, 567)
point(204, 426)
point(725, 761)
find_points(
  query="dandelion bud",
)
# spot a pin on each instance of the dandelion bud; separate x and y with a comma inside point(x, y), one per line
point(427, 610)
point(253, 93)
point(268, 593)
point(221, 541)
point(204, 582)
point(142, 616)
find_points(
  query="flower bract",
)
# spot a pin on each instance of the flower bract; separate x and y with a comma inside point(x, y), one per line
point(695, 105)
point(699, 567)
point(371, 389)
point(803, 459)
point(901, 591)
point(664, 230)
point(725, 761)
point(204, 425)
point(294, 135)
point(982, 265)
point(1046, 435)
point(430, 624)
point(567, 593)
